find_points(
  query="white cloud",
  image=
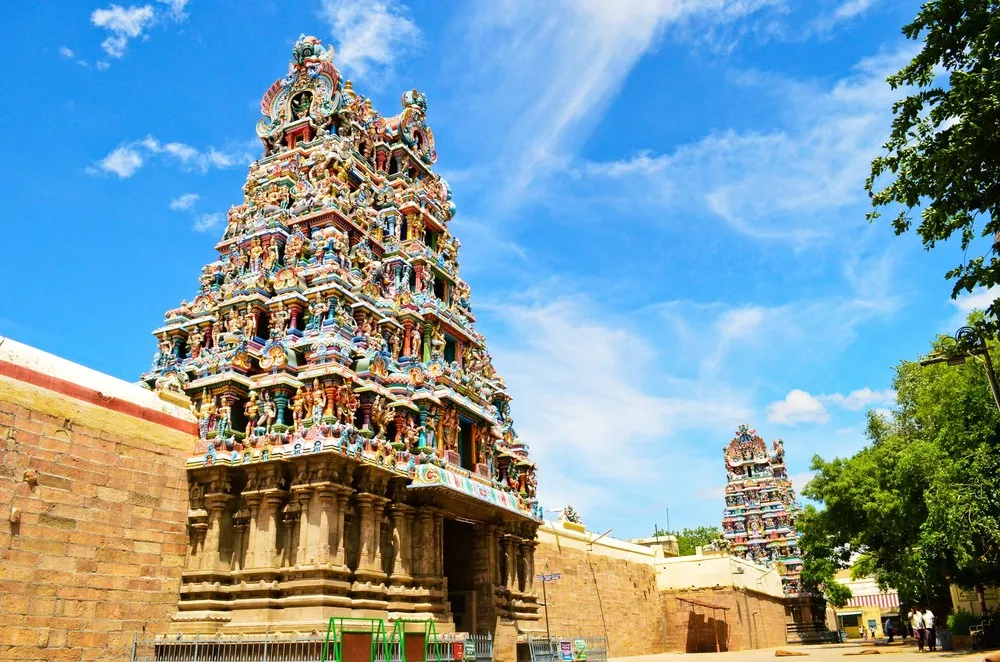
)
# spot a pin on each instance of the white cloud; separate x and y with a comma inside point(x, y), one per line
point(123, 161)
point(979, 299)
point(206, 222)
point(65, 51)
point(175, 8)
point(591, 419)
point(187, 157)
point(561, 63)
point(861, 398)
point(123, 24)
point(370, 36)
point(184, 202)
point(802, 407)
point(852, 8)
point(771, 183)
point(797, 407)
point(126, 23)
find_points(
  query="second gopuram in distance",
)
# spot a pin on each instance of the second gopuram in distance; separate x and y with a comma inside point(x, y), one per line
point(356, 455)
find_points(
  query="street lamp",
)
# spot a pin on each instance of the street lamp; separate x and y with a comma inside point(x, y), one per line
point(969, 342)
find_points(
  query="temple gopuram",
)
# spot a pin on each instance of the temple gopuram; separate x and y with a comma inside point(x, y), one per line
point(356, 453)
point(759, 520)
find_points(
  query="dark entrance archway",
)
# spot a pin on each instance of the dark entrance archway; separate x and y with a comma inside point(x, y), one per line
point(459, 542)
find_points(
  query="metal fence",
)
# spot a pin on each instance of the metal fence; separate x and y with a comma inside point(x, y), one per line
point(302, 648)
point(565, 649)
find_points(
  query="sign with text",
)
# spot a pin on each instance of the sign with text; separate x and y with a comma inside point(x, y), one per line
point(470, 649)
point(580, 649)
point(548, 578)
point(566, 651)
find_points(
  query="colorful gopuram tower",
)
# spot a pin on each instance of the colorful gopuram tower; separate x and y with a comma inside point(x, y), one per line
point(357, 455)
point(759, 519)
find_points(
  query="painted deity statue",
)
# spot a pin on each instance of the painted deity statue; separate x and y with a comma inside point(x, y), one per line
point(318, 402)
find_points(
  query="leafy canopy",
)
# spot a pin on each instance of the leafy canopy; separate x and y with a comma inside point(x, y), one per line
point(919, 507)
point(943, 154)
point(688, 539)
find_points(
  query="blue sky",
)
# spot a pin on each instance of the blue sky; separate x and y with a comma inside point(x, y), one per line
point(660, 206)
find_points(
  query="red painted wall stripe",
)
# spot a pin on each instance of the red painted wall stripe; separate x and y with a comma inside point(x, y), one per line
point(67, 388)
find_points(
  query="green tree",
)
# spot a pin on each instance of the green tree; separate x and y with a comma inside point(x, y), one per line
point(919, 507)
point(688, 539)
point(943, 154)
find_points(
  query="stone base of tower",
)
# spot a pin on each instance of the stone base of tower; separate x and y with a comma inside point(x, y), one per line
point(287, 544)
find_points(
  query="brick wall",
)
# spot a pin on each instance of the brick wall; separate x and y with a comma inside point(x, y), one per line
point(750, 620)
point(97, 553)
point(597, 591)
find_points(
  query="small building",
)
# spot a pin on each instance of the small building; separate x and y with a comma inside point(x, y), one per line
point(869, 607)
point(666, 544)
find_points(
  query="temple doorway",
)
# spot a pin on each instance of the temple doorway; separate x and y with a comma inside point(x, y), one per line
point(458, 544)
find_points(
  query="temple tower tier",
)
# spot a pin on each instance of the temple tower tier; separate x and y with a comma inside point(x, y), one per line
point(759, 519)
point(356, 451)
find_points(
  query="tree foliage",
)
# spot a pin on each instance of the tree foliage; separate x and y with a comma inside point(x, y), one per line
point(943, 154)
point(688, 539)
point(919, 507)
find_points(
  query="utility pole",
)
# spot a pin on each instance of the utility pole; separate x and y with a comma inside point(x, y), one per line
point(969, 341)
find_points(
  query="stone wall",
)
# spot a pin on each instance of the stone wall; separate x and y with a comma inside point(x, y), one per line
point(598, 593)
point(93, 495)
point(743, 620)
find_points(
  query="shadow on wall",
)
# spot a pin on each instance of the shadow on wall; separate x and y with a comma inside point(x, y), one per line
point(706, 635)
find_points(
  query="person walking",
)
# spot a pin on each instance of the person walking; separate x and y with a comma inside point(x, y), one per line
point(929, 631)
point(861, 632)
point(917, 622)
point(887, 627)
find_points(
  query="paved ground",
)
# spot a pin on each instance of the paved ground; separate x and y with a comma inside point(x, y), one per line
point(846, 652)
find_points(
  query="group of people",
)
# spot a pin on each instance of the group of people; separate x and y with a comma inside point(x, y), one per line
point(921, 623)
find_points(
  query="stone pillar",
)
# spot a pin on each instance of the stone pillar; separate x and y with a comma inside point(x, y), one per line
point(497, 552)
point(400, 543)
point(528, 549)
point(210, 556)
point(281, 395)
point(421, 543)
point(239, 543)
point(407, 329)
point(301, 552)
point(320, 549)
point(510, 569)
point(331, 397)
point(293, 322)
point(366, 412)
point(378, 505)
point(267, 534)
point(253, 503)
point(438, 544)
point(482, 575)
point(364, 504)
point(338, 557)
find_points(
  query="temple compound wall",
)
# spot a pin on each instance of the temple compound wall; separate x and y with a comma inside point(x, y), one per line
point(94, 498)
point(645, 602)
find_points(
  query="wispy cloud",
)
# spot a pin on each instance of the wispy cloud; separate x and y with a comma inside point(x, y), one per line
point(771, 183)
point(206, 222)
point(370, 36)
point(65, 51)
point(184, 202)
point(562, 63)
point(124, 24)
point(802, 407)
point(125, 160)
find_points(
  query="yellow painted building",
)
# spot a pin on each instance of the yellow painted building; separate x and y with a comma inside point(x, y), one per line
point(869, 606)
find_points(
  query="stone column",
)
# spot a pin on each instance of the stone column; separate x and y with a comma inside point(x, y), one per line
point(400, 543)
point(364, 503)
point(301, 552)
point(378, 505)
point(239, 542)
point(339, 556)
point(426, 345)
point(421, 543)
point(438, 544)
point(320, 549)
point(407, 329)
point(215, 504)
point(267, 534)
point(528, 549)
point(253, 503)
point(482, 575)
point(510, 569)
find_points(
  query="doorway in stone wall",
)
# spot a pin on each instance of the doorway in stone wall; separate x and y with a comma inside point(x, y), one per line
point(458, 544)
